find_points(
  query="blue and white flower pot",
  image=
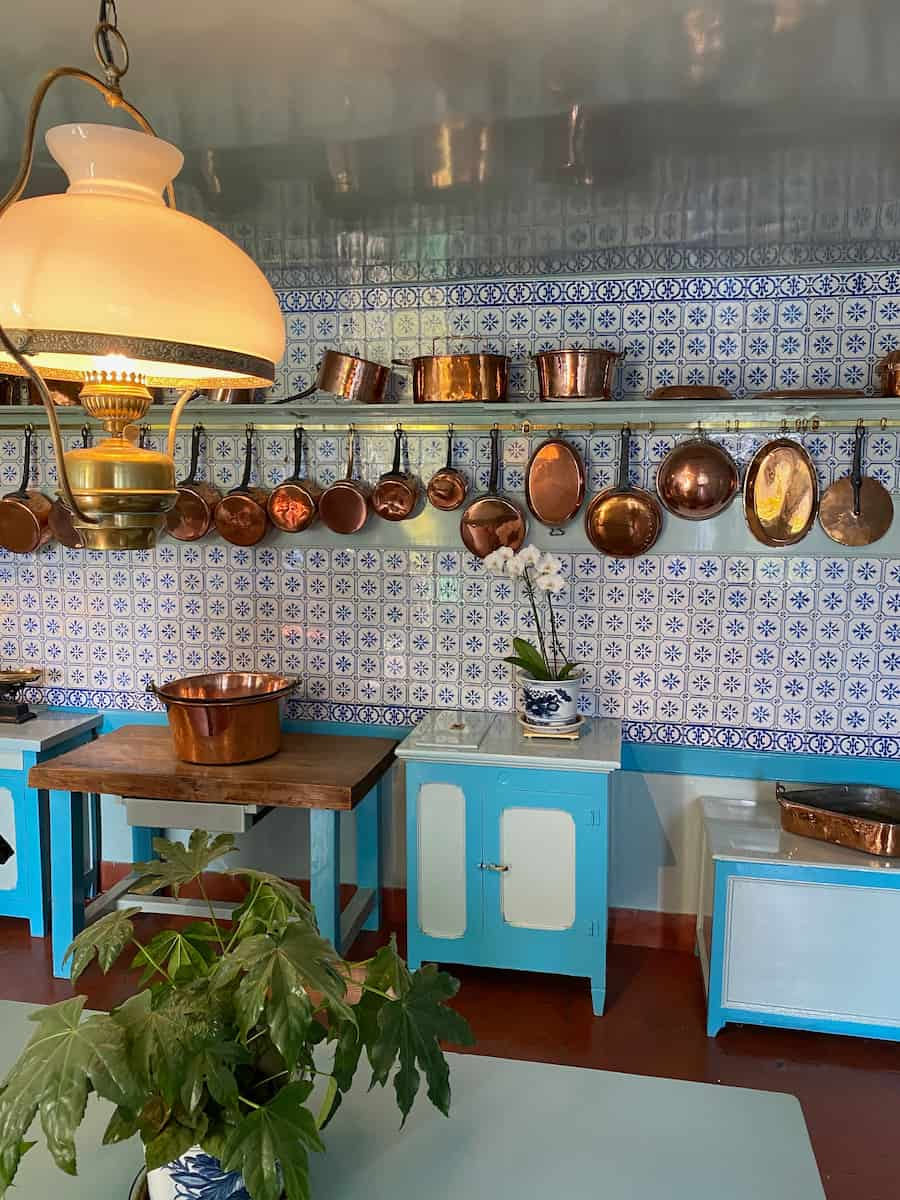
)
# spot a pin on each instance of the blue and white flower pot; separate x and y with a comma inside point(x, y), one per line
point(195, 1176)
point(550, 704)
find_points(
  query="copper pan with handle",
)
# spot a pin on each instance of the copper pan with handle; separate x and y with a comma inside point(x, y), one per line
point(396, 492)
point(294, 504)
point(241, 516)
point(492, 521)
point(447, 487)
point(856, 510)
point(781, 493)
point(622, 520)
point(697, 479)
point(192, 515)
point(344, 506)
point(24, 513)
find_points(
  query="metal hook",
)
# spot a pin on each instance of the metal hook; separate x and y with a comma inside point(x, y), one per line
point(526, 428)
point(883, 423)
point(784, 425)
point(651, 426)
point(860, 423)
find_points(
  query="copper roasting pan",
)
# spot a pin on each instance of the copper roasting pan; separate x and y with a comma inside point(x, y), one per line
point(856, 816)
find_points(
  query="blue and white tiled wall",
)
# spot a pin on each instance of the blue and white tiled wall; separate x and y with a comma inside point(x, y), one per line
point(794, 652)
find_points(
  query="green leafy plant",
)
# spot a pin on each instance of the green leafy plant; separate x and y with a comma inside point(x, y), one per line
point(224, 1042)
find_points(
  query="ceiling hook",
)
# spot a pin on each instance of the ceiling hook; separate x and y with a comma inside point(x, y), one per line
point(883, 423)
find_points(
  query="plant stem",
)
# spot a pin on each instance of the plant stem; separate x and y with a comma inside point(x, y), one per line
point(212, 914)
point(152, 961)
point(557, 647)
point(249, 1103)
point(376, 992)
point(529, 589)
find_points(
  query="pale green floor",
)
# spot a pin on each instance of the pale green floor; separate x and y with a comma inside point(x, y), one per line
point(522, 1130)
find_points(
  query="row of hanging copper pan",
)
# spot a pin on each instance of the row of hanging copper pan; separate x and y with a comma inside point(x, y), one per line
point(25, 513)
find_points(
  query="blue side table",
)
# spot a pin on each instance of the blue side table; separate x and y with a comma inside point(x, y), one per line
point(25, 878)
point(507, 846)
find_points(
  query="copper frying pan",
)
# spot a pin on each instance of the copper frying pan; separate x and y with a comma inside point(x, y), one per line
point(697, 479)
point(192, 516)
point(492, 521)
point(623, 521)
point(447, 487)
point(61, 521)
point(344, 505)
point(781, 493)
point(554, 482)
point(24, 513)
point(396, 492)
point(241, 516)
point(856, 510)
point(294, 504)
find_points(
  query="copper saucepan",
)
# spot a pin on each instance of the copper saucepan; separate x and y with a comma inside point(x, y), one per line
point(622, 520)
point(294, 504)
point(447, 487)
point(458, 378)
point(358, 380)
point(192, 516)
point(61, 519)
point(241, 516)
point(24, 513)
point(576, 374)
point(396, 492)
point(344, 505)
point(554, 482)
point(856, 510)
point(492, 521)
point(697, 479)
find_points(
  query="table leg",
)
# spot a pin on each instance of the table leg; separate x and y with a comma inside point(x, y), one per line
point(66, 873)
point(325, 871)
point(142, 843)
point(368, 848)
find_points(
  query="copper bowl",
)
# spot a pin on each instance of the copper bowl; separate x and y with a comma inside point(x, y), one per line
point(225, 718)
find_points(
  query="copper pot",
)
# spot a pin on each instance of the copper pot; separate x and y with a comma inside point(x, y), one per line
point(358, 380)
point(889, 370)
point(447, 487)
point(697, 479)
point(192, 516)
point(492, 521)
point(576, 374)
point(623, 521)
point(225, 718)
point(396, 492)
point(344, 506)
point(458, 378)
point(24, 513)
point(241, 517)
point(294, 504)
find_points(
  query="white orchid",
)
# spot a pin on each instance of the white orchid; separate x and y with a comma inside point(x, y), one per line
point(496, 561)
point(530, 556)
point(515, 568)
point(552, 584)
point(549, 565)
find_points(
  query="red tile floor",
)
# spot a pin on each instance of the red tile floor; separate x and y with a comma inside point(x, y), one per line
point(654, 1025)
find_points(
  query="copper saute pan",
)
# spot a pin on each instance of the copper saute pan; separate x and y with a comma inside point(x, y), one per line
point(576, 374)
point(192, 516)
point(396, 492)
point(856, 510)
point(623, 521)
point(61, 519)
point(447, 487)
point(294, 504)
point(344, 506)
point(241, 517)
point(458, 378)
point(358, 380)
point(554, 482)
point(492, 521)
point(697, 479)
point(24, 513)
point(781, 493)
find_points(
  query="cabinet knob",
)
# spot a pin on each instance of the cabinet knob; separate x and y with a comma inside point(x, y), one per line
point(483, 866)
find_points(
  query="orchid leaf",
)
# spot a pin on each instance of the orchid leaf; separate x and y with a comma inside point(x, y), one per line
point(177, 864)
point(105, 939)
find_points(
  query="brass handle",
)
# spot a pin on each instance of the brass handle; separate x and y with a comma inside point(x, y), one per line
point(483, 866)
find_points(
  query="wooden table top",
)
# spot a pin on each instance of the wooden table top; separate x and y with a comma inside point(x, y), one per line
point(312, 770)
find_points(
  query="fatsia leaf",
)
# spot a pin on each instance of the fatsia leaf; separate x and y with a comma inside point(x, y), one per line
point(156, 1040)
point(177, 864)
point(212, 1068)
point(409, 1031)
point(64, 1059)
point(171, 1142)
point(121, 1126)
point(289, 894)
point(106, 939)
point(270, 1147)
point(185, 953)
point(387, 971)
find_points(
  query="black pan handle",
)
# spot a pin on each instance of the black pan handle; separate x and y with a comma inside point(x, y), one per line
point(624, 455)
point(22, 493)
point(495, 461)
point(298, 452)
point(856, 471)
point(448, 465)
point(398, 450)
point(297, 395)
point(248, 462)
point(196, 434)
point(86, 436)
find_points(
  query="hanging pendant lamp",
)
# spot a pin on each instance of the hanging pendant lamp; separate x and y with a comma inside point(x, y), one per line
point(109, 285)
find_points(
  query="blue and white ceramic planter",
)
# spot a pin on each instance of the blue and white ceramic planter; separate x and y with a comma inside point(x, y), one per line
point(552, 704)
point(195, 1176)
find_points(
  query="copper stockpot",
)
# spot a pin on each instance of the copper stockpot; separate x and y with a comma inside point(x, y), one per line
point(576, 374)
point(192, 516)
point(396, 492)
point(61, 519)
point(888, 369)
point(225, 718)
point(447, 487)
point(294, 504)
point(344, 506)
point(241, 516)
point(492, 521)
point(25, 513)
point(458, 378)
point(697, 479)
point(358, 380)
point(622, 520)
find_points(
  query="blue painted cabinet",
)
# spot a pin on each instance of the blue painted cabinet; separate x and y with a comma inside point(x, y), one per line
point(507, 867)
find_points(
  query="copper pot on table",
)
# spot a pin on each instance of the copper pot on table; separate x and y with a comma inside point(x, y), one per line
point(458, 378)
point(192, 516)
point(25, 513)
point(241, 517)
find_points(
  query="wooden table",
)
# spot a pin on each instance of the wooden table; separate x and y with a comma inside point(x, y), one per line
point(326, 773)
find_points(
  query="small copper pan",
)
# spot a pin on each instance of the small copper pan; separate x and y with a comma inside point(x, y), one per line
point(61, 519)
point(856, 510)
point(294, 504)
point(623, 521)
point(241, 516)
point(554, 482)
point(24, 513)
point(447, 487)
point(396, 492)
point(492, 521)
point(344, 506)
point(192, 516)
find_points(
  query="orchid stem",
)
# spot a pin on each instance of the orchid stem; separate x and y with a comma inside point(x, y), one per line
point(537, 620)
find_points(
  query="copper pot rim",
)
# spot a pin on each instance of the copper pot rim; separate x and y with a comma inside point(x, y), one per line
point(272, 687)
point(665, 468)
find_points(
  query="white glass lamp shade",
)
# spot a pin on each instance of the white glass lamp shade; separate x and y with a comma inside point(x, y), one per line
point(108, 277)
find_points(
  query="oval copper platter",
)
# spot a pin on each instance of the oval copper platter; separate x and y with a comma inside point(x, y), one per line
point(781, 493)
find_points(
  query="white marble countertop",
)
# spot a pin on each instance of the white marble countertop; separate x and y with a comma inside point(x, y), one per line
point(46, 730)
point(742, 830)
point(499, 741)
